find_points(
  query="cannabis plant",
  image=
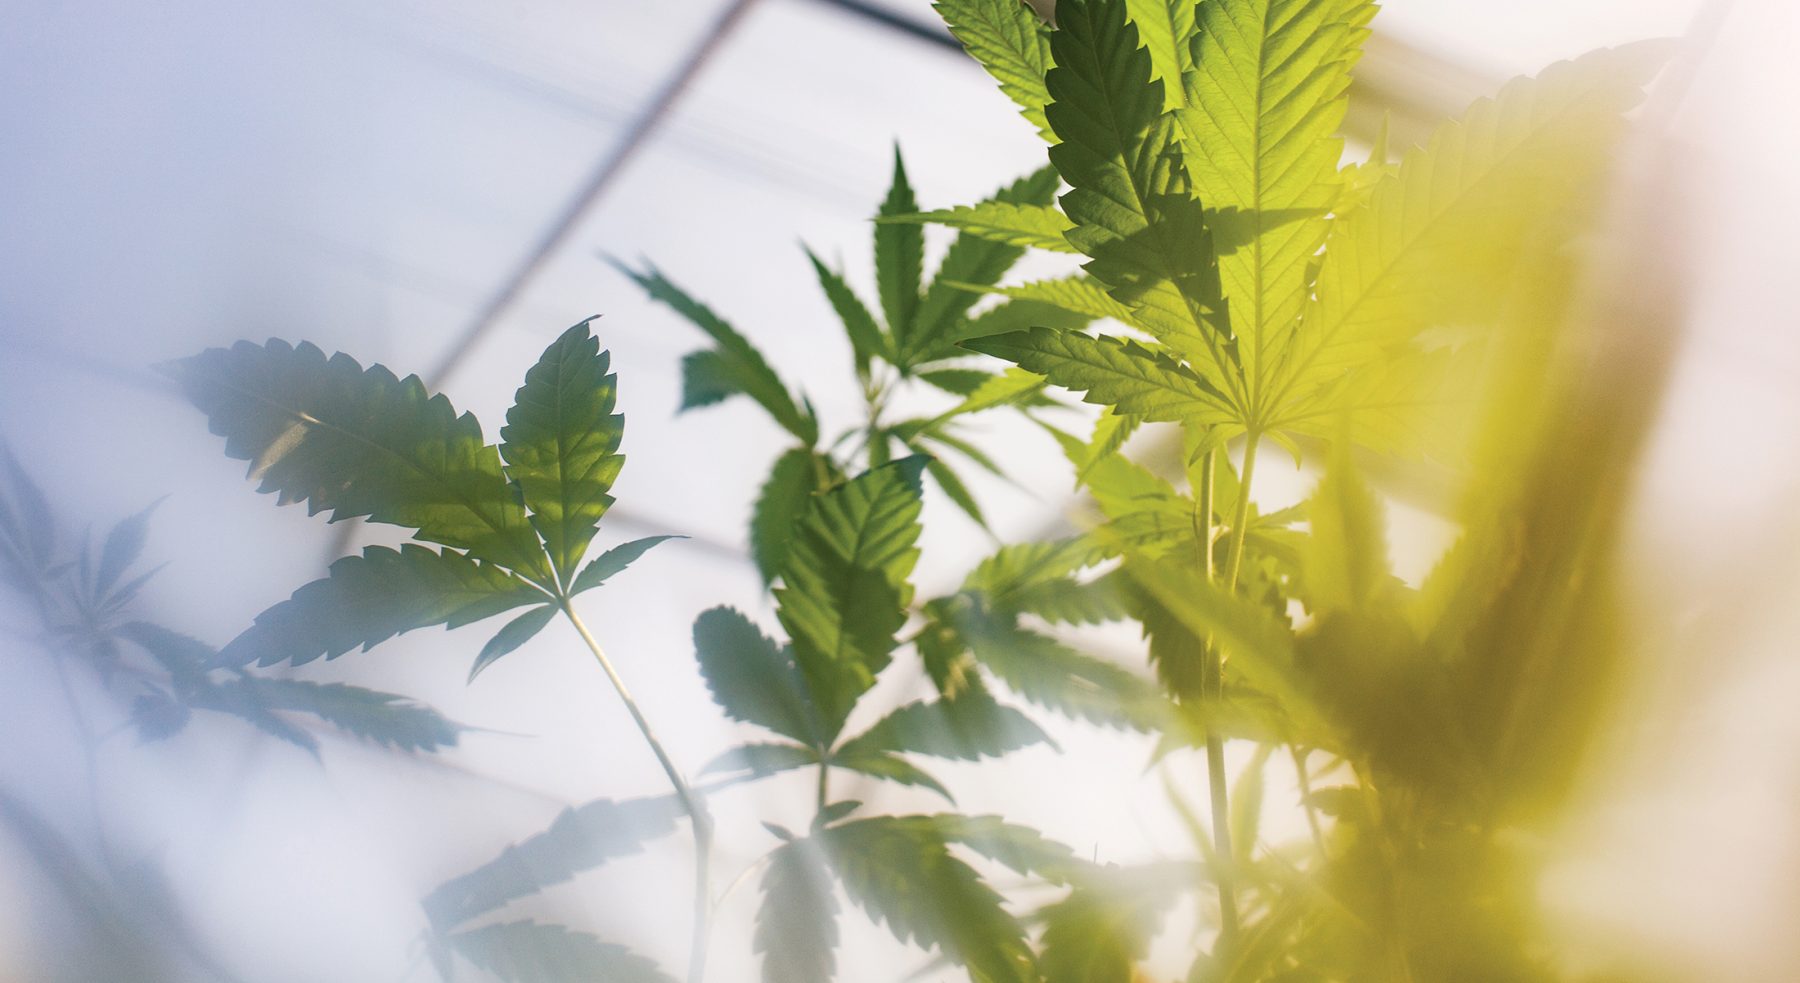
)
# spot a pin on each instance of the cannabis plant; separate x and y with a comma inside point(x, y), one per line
point(1256, 291)
point(1272, 295)
point(913, 342)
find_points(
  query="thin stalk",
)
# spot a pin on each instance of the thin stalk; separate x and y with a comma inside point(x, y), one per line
point(1305, 782)
point(877, 402)
point(1219, 792)
point(1215, 748)
point(699, 819)
point(1240, 520)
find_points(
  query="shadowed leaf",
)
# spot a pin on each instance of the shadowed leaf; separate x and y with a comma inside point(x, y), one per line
point(796, 925)
point(370, 598)
point(535, 952)
point(902, 873)
point(580, 838)
point(751, 678)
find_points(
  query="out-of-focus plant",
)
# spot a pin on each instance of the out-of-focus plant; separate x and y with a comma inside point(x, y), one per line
point(1276, 295)
point(85, 606)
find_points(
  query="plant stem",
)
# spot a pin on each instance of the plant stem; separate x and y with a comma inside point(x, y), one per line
point(1305, 782)
point(1219, 793)
point(1240, 521)
point(698, 818)
point(1215, 747)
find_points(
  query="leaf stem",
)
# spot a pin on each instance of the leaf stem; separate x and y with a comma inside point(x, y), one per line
point(1219, 792)
point(1215, 748)
point(1240, 521)
point(699, 819)
point(1306, 800)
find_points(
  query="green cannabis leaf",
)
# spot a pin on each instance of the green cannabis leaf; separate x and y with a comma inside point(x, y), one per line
point(359, 442)
point(902, 873)
point(1011, 43)
point(372, 597)
point(561, 445)
point(734, 366)
point(362, 442)
point(844, 586)
point(751, 678)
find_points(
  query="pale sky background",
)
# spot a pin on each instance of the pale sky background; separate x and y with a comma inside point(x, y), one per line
point(364, 175)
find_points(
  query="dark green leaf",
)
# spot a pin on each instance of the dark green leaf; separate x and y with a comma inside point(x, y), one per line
point(517, 632)
point(751, 678)
point(706, 379)
point(866, 338)
point(370, 598)
point(834, 812)
point(783, 499)
point(359, 442)
point(902, 873)
point(737, 362)
point(561, 444)
point(845, 589)
point(1129, 196)
point(955, 490)
point(613, 561)
point(899, 258)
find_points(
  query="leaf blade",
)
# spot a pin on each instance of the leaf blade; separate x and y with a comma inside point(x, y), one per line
point(844, 585)
point(361, 442)
point(561, 444)
point(368, 598)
